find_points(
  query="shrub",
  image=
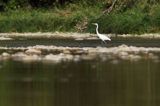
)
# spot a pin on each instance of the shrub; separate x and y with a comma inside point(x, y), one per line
point(131, 21)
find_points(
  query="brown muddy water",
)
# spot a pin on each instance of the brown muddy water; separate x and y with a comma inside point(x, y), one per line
point(119, 73)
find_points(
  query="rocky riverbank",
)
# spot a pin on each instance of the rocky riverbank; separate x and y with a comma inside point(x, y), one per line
point(56, 54)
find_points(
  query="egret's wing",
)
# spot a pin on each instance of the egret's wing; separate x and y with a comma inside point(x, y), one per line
point(104, 37)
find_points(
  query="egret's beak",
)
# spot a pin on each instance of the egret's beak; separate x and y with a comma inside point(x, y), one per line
point(94, 23)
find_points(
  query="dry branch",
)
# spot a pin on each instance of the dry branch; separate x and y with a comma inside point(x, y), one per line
point(110, 8)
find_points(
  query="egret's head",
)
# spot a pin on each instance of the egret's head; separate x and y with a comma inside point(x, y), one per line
point(95, 24)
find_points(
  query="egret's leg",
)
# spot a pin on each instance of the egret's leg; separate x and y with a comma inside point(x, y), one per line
point(104, 42)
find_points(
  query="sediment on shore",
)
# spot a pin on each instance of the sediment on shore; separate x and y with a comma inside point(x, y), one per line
point(76, 36)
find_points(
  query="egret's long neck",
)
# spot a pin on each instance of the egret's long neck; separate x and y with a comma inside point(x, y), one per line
point(97, 30)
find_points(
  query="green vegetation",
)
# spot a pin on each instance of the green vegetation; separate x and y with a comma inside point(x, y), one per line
point(127, 16)
point(45, 20)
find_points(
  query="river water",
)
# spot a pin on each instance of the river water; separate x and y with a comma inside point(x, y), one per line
point(24, 42)
point(80, 83)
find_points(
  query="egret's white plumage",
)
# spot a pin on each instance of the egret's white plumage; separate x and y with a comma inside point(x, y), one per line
point(101, 36)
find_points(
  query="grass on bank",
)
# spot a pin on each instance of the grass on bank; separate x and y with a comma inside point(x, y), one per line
point(46, 20)
point(79, 18)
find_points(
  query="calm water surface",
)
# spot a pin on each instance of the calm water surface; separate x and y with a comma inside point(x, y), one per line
point(81, 43)
point(83, 83)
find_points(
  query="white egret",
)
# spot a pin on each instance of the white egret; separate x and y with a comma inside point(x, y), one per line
point(101, 36)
